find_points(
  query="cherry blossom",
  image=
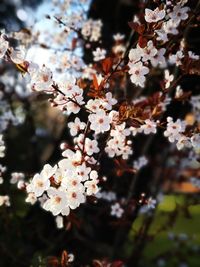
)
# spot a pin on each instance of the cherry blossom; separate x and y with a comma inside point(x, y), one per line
point(183, 142)
point(71, 181)
point(108, 196)
point(159, 59)
point(179, 13)
point(176, 59)
point(99, 54)
point(135, 54)
point(155, 15)
point(118, 37)
point(76, 126)
point(179, 92)
point(83, 171)
point(138, 72)
point(100, 122)
point(149, 127)
point(91, 146)
point(91, 29)
point(161, 35)
point(116, 210)
point(93, 105)
point(108, 101)
point(91, 187)
point(149, 51)
point(48, 171)
point(16, 176)
point(57, 202)
point(192, 55)
point(140, 162)
point(120, 130)
point(4, 200)
point(174, 129)
point(170, 27)
point(118, 145)
point(38, 185)
point(59, 222)
point(72, 158)
point(151, 203)
point(41, 79)
point(168, 78)
point(31, 198)
point(75, 198)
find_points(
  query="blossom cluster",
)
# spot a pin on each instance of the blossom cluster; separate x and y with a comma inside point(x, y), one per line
point(175, 132)
point(99, 121)
point(66, 185)
point(166, 21)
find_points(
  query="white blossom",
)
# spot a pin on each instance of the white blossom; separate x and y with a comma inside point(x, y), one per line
point(57, 202)
point(31, 198)
point(16, 176)
point(140, 162)
point(149, 52)
point(179, 13)
point(59, 222)
point(108, 101)
point(41, 79)
point(138, 72)
point(39, 184)
point(155, 15)
point(91, 146)
point(76, 126)
point(168, 78)
point(91, 187)
point(100, 122)
point(75, 198)
point(116, 210)
point(174, 129)
point(99, 54)
point(135, 54)
point(149, 127)
point(118, 37)
point(4, 200)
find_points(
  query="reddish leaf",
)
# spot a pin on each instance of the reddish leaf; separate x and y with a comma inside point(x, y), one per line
point(142, 41)
point(141, 29)
point(95, 82)
point(132, 25)
point(64, 259)
point(137, 27)
point(107, 64)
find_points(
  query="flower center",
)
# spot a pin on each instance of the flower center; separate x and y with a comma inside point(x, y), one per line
point(57, 199)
